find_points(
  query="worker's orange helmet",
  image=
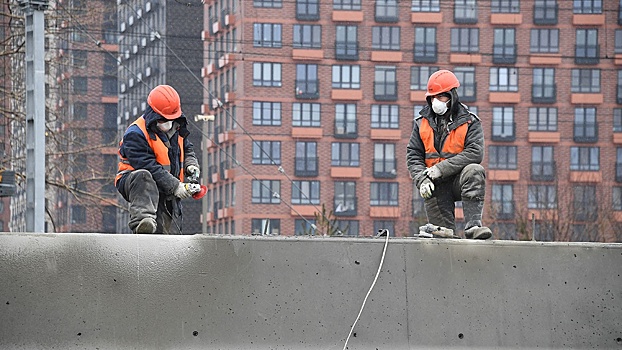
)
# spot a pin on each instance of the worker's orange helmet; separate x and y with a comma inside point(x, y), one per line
point(441, 81)
point(165, 101)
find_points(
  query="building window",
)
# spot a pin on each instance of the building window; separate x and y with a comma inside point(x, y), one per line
point(617, 120)
point(346, 76)
point(79, 58)
point(618, 41)
point(585, 205)
point(384, 194)
point(419, 76)
point(385, 116)
point(385, 83)
point(425, 6)
point(585, 158)
point(265, 227)
point(468, 85)
point(465, 11)
point(267, 113)
point(345, 154)
point(545, 12)
point(347, 5)
point(267, 152)
point(268, 3)
point(504, 79)
point(619, 88)
point(541, 197)
point(585, 80)
point(307, 36)
point(464, 40)
point(503, 126)
point(306, 159)
point(503, 201)
point(618, 164)
point(424, 49)
point(80, 111)
point(542, 119)
point(384, 225)
point(544, 41)
point(385, 38)
point(505, 6)
point(266, 192)
point(542, 163)
point(345, 120)
point(345, 198)
point(266, 74)
point(346, 43)
point(78, 214)
point(80, 85)
point(308, 10)
point(304, 227)
point(305, 192)
point(502, 157)
point(587, 50)
point(585, 127)
point(386, 11)
point(617, 198)
point(587, 6)
point(307, 85)
point(504, 46)
point(267, 35)
point(306, 114)
point(109, 86)
point(544, 89)
point(384, 161)
point(347, 228)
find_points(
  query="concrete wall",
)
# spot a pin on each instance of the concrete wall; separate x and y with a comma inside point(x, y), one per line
point(77, 291)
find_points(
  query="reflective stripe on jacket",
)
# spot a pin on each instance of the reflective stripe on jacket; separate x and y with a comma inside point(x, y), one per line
point(452, 145)
point(159, 149)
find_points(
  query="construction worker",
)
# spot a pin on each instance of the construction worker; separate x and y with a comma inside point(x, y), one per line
point(443, 157)
point(155, 156)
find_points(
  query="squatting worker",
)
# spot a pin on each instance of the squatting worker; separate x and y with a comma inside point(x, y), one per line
point(443, 157)
point(155, 155)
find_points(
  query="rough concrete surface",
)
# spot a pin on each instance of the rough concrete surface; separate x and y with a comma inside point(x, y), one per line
point(96, 291)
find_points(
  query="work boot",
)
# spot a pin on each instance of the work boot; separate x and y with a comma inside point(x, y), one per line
point(473, 214)
point(429, 231)
point(146, 225)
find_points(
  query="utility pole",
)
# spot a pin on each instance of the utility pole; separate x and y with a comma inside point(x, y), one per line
point(35, 113)
point(204, 130)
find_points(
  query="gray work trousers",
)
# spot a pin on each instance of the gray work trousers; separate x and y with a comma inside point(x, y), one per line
point(469, 185)
point(146, 201)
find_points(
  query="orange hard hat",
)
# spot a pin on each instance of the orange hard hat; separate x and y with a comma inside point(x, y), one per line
point(441, 81)
point(165, 101)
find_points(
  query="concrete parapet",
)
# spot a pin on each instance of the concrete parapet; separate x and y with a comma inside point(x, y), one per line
point(77, 291)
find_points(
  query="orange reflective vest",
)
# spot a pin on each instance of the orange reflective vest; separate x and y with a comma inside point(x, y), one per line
point(452, 145)
point(158, 147)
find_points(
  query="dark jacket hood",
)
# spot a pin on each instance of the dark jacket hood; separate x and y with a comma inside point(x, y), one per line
point(152, 117)
point(455, 103)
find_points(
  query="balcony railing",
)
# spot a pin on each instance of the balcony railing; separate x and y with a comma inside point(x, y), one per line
point(545, 15)
point(543, 171)
point(504, 54)
point(426, 53)
point(585, 132)
point(307, 89)
point(345, 206)
point(385, 91)
point(587, 54)
point(504, 131)
point(544, 93)
point(346, 130)
point(347, 50)
point(384, 169)
point(306, 166)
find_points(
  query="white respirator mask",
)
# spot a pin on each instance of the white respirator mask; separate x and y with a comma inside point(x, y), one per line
point(166, 126)
point(439, 107)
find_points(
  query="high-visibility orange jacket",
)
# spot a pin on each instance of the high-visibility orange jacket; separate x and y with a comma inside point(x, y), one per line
point(452, 144)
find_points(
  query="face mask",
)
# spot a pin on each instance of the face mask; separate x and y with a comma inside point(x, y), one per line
point(439, 107)
point(165, 126)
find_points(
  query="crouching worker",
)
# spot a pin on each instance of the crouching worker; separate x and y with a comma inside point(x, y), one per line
point(155, 156)
point(443, 157)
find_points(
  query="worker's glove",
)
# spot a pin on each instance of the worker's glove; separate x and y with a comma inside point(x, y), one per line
point(432, 173)
point(186, 190)
point(426, 188)
point(193, 172)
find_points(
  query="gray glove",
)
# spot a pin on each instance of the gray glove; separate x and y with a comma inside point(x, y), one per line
point(193, 172)
point(426, 189)
point(433, 173)
point(186, 190)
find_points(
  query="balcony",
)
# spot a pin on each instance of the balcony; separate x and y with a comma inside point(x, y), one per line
point(345, 207)
point(306, 166)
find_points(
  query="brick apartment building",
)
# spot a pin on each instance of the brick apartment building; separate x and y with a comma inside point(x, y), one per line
point(314, 104)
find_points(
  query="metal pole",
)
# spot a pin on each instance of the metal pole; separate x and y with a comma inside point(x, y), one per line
point(35, 113)
point(204, 132)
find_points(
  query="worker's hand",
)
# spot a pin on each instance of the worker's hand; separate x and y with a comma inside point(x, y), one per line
point(186, 190)
point(193, 172)
point(426, 189)
point(433, 173)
